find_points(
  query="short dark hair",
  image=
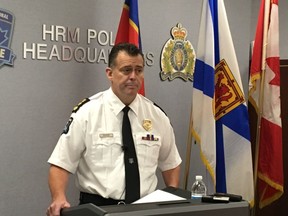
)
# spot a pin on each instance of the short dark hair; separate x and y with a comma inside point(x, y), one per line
point(129, 48)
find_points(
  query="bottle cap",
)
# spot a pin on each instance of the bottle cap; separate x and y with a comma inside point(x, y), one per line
point(198, 177)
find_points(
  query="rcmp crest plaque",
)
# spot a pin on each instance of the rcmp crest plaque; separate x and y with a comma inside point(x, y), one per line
point(178, 56)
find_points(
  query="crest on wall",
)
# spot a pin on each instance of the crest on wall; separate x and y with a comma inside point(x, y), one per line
point(178, 56)
point(6, 31)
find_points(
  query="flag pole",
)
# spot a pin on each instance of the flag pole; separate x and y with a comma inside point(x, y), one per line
point(261, 95)
point(188, 151)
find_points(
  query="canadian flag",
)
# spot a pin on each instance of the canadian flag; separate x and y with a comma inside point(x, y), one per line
point(264, 94)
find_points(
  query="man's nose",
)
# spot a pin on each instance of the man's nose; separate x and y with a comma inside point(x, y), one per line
point(133, 74)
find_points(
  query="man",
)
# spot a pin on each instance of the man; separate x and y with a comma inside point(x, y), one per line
point(91, 144)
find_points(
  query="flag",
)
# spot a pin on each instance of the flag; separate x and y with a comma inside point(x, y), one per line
point(219, 110)
point(129, 28)
point(264, 95)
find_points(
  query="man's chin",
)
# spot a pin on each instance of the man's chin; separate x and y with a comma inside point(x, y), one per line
point(132, 91)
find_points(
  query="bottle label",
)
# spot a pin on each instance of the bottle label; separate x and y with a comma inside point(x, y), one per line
point(196, 196)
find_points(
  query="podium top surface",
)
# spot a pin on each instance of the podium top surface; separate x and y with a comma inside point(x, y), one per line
point(178, 208)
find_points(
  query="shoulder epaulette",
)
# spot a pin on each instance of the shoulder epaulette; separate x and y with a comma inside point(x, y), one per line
point(159, 108)
point(79, 105)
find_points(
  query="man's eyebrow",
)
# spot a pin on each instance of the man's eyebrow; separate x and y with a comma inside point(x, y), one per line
point(130, 66)
point(139, 66)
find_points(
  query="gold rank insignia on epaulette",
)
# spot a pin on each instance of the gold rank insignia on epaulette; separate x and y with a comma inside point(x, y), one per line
point(76, 108)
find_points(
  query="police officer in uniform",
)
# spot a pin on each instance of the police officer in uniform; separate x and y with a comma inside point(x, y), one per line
point(91, 143)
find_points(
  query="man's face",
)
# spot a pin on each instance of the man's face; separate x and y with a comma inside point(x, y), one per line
point(126, 76)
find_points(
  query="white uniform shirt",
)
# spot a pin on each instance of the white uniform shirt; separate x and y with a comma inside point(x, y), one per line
point(91, 145)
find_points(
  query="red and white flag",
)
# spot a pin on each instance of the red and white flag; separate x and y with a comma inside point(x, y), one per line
point(264, 94)
point(129, 28)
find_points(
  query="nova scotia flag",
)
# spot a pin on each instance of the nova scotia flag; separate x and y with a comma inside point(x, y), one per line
point(219, 110)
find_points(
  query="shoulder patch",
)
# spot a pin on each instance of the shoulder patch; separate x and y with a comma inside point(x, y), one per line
point(79, 105)
point(67, 126)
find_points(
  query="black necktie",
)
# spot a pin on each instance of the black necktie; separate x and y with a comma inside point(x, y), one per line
point(132, 178)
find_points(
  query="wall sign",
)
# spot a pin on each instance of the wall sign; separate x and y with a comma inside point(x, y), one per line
point(6, 32)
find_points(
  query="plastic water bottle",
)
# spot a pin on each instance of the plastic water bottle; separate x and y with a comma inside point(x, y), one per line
point(198, 188)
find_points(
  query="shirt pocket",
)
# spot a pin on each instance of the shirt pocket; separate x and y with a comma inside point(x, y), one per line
point(106, 149)
point(148, 150)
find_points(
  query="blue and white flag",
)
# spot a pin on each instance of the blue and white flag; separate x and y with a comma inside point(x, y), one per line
point(219, 110)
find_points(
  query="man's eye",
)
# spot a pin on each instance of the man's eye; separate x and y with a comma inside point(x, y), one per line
point(127, 70)
point(130, 70)
point(138, 71)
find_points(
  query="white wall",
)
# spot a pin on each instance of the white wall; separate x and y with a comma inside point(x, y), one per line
point(37, 96)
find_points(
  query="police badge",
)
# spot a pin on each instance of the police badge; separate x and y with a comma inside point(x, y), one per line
point(147, 124)
point(178, 56)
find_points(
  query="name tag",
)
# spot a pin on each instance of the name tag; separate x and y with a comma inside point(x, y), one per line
point(106, 135)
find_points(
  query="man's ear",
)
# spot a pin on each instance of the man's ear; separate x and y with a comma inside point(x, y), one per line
point(109, 73)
